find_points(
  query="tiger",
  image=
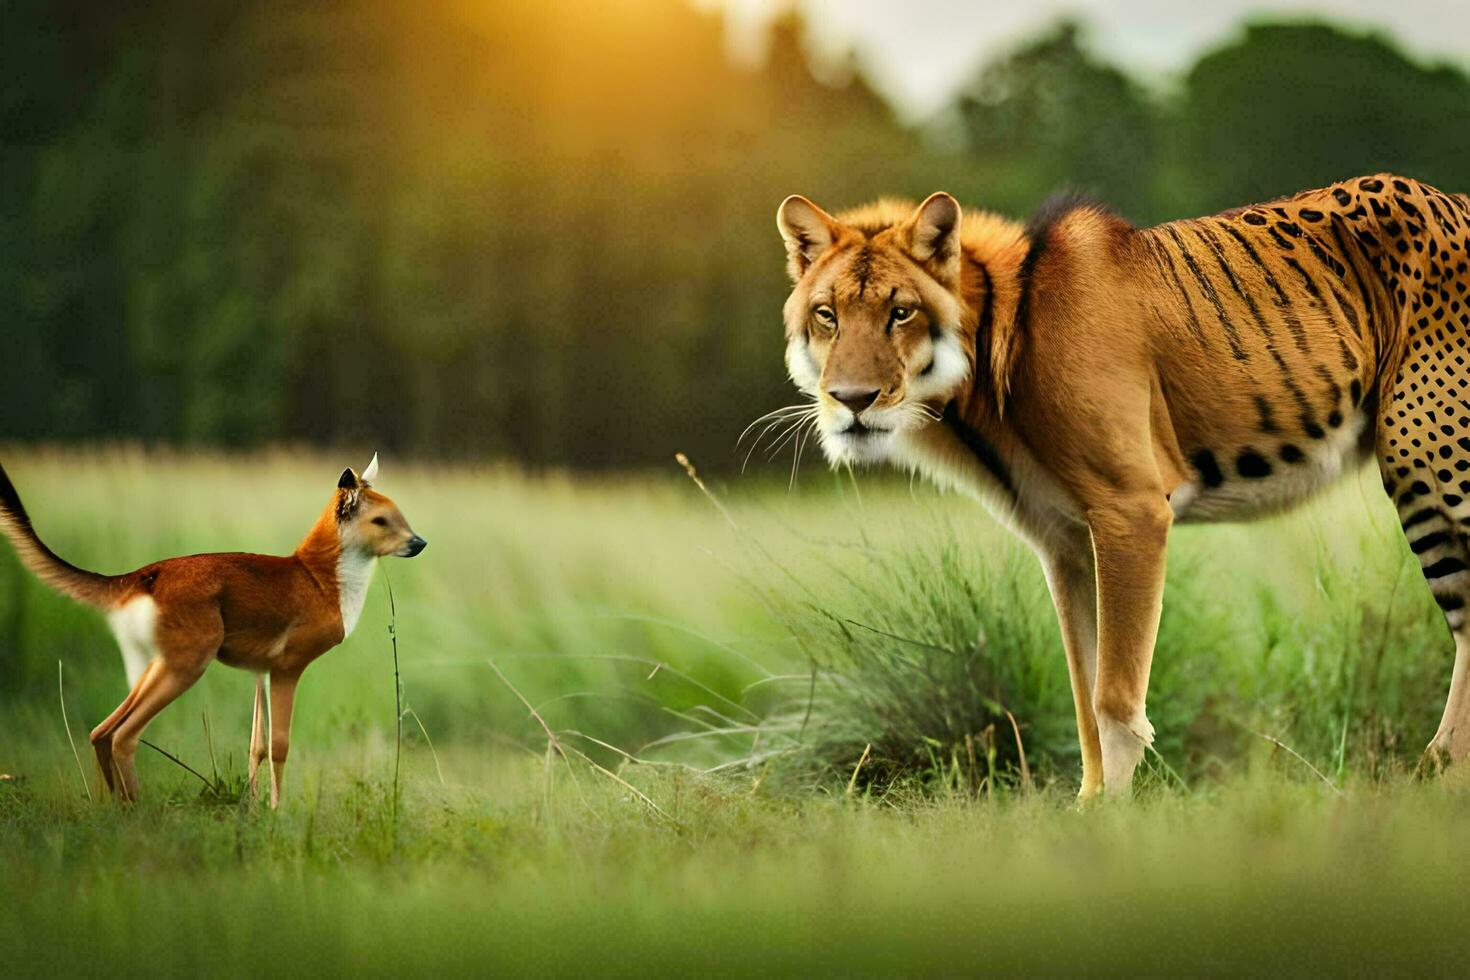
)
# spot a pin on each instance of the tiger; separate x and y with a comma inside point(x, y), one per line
point(1093, 383)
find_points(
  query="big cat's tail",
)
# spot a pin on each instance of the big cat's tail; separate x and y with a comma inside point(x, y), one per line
point(84, 586)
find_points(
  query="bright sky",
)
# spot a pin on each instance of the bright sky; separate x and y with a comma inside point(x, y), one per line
point(918, 51)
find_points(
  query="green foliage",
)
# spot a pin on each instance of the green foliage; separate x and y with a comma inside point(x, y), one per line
point(629, 612)
point(542, 229)
point(1052, 116)
point(1287, 107)
point(642, 625)
point(521, 867)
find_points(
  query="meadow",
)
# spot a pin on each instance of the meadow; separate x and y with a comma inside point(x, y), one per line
point(758, 729)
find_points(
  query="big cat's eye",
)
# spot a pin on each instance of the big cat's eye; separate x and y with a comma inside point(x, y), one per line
point(901, 314)
point(825, 315)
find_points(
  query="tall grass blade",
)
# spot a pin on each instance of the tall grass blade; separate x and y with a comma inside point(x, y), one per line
point(81, 770)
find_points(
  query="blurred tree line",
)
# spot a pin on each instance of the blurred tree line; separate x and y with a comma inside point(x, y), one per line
point(543, 229)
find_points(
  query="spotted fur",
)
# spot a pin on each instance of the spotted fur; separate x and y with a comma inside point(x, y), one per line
point(1121, 379)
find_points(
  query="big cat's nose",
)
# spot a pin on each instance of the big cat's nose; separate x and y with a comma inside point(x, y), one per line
point(414, 546)
point(856, 399)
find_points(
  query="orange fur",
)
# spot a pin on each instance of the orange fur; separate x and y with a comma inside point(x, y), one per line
point(268, 614)
point(1095, 382)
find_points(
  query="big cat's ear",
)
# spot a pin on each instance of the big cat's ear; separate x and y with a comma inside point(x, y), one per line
point(371, 473)
point(348, 480)
point(807, 230)
point(934, 237)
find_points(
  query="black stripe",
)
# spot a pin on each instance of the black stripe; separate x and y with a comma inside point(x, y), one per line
point(1429, 540)
point(1449, 603)
point(1352, 266)
point(1372, 297)
point(985, 454)
point(1307, 280)
point(1210, 294)
point(1028, 265)
point(1349, 311)
point(1251, 251)
point(1349, 360)
point(1420, 516)
point(1038, 234)
point(1268, 418)
point(1322, 256)
point(1162, 254)
point(863, 268)
point(1261, 322)
point(986, 313)
point(1444, 567)
point(1283, 301)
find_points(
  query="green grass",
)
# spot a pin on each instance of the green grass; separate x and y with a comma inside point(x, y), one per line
point(748, 668)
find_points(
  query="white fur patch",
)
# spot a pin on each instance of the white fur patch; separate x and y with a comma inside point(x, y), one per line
point(1122, 751)
point(801, 366)
point(1288, 484)
point(354, 574)
point(950, 368)
point(134, 626)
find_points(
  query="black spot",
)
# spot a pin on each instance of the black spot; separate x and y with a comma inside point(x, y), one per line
point(1355, 392)
point(1209, 470)
point(1252, 218)
point(1310, 214)
point(1417, 489)
point(1400, 186)
point(1252, 464)
point(1291, 454)
point(1341, 196)
point(1334, 418)
point(1291, 228)
point(1371, 185)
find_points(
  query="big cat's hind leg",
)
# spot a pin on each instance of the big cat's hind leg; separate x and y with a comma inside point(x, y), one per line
point(1451, 743)
point(1424, 455)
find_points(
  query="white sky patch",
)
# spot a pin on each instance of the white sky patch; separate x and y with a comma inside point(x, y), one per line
point(918, 52)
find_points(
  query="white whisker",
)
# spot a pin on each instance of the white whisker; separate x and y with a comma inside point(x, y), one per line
point(796, 453)
point(790, 433)
point(780, 425)
point(773, 416)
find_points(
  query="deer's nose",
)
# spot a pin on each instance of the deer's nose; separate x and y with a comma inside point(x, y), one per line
point(856, 399)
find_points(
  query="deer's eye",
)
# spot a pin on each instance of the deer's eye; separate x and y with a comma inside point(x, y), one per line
point(380, 521)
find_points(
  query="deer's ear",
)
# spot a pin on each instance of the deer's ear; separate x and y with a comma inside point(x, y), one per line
point(371, 473)
point(348, 480)
point(934, 237)
point(807, 230)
